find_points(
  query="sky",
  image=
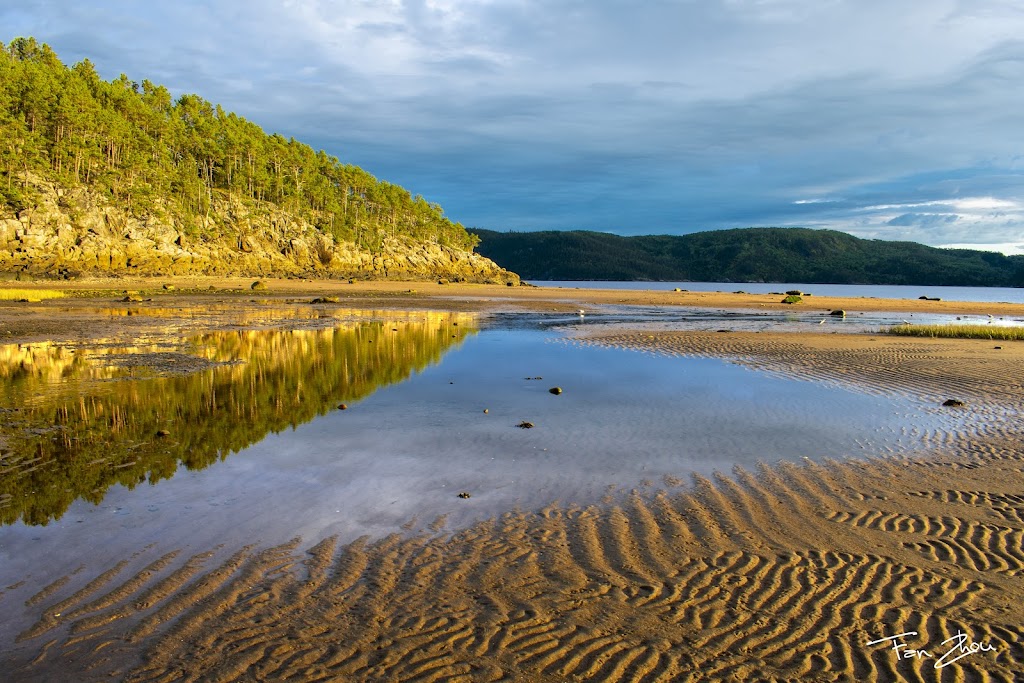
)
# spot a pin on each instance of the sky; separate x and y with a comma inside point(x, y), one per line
point(886, 119)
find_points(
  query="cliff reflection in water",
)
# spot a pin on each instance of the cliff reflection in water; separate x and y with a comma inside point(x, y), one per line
point(75, 422)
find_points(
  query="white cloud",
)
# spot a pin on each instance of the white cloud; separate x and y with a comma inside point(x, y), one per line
point(1009, 249)
point(973, 204)
point(983, 204)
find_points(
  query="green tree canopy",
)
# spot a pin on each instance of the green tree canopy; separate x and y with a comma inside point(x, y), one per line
point(149, 151)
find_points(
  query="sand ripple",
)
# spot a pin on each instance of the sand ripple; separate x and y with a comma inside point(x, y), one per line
point(786, 573)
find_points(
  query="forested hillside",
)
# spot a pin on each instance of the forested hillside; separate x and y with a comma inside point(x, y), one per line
point(69, 138)
point(746, 255)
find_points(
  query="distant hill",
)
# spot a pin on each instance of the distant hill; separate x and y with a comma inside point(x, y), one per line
point(745, 255)
point(118, 178)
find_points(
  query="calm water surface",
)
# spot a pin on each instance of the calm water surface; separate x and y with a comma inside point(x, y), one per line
point(256, 449)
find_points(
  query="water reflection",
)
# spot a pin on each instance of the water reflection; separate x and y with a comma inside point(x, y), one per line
point(70, 427)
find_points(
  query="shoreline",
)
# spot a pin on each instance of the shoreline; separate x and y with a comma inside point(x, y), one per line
point(789, 571)
point(78, 316)
point(416, 291)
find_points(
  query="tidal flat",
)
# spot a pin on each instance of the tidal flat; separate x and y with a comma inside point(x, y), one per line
point(190, 480)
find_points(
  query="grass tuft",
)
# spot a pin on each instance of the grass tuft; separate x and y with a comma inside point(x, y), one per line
point(959, 331)
point(29, 294)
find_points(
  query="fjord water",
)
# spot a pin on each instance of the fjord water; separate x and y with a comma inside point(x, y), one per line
point(257, 451)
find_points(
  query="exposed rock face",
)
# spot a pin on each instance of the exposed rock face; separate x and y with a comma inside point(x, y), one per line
point(74, 232)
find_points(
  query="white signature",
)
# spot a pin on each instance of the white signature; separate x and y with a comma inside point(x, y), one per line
point(962, 646)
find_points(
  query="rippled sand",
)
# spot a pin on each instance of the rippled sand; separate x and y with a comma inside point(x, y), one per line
point(784, 573)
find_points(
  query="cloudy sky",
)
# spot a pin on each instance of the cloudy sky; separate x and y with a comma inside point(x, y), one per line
point(892, 119)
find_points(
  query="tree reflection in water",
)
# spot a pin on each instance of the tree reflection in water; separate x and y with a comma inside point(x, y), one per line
point(75, 422)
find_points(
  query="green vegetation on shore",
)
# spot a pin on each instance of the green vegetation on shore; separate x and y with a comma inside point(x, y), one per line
point(7, 294)
point(745, 255)
point(998, 332)
point(156, 156)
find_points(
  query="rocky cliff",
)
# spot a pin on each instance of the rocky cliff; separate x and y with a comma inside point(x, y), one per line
point(69, 232)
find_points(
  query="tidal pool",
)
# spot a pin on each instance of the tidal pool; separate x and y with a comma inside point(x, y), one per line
point(104, 456)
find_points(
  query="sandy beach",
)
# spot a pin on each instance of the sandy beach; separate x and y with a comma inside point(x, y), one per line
point(888, 569)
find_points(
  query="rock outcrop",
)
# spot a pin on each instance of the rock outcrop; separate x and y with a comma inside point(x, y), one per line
point(73, 232)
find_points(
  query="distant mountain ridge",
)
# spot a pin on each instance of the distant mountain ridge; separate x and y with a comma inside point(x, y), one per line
point(745, 255)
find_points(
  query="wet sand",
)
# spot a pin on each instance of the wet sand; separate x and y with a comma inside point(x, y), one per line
point(489, 296)
point(788, 572)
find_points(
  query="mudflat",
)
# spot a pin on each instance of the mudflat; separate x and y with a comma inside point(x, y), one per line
point(886, 569)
